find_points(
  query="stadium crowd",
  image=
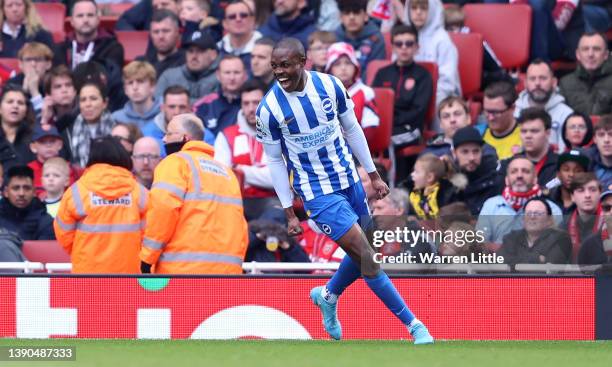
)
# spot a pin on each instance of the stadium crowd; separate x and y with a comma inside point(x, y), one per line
point(527, 161)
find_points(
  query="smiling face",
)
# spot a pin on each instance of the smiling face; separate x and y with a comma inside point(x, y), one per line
point(288, 68)
point(536, 217)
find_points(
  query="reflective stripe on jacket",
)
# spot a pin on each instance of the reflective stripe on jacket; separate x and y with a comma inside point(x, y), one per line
point(196, 223)
point(100, 221)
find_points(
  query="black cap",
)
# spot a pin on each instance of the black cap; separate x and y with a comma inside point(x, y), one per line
point(468, 134)
point(574, 155)
point(39, 133)
point(201, 40)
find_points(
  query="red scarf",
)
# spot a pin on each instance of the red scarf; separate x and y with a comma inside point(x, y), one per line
point(574, 231)
point(518, 199)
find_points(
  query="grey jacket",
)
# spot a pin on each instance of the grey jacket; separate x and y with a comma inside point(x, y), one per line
point(198, 85)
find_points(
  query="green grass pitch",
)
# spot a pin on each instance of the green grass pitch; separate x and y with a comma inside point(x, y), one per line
point(282, 353)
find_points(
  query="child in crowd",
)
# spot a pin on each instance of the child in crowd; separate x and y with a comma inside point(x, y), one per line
point(55, 180)
point(318, 43)
point(45, 144)
point(432, 189)
point(342, 63)
point(194, 14)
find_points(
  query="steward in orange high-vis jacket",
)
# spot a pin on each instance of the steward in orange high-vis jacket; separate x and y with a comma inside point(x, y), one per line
point(195, 224)
point(100, 221)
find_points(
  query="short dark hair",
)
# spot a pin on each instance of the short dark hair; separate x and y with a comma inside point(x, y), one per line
point(109, 150)
point(352, 6)
point(88, 71)
point(253, 84)
point(163, 14)
point(535, 113)
point(19, 171)
point(541, 200)
point(605, 123)
point(96, 84)
point(83, 1)
point(504, 89)
point(402, 29)
point(540, 61)
point(265, 41)
point(231, 57)
point(589, 125)
point(595, 33)
point(176, 89)
point(57, 72)
point(581, 179)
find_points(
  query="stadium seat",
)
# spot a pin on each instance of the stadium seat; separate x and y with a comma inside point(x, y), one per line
point(134, 43)
point(384, 99)
point(113, 9)
point(507, 28)
point(388, 46)
point(45, 252)
point(595, 119)
point(469, 47)
point(52, 16)
point(11, 64)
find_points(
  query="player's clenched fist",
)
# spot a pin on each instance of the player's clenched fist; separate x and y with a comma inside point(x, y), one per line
point(379, 186)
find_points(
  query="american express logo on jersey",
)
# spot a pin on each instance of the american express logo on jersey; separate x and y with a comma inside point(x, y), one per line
point(97, 200)
point(316, 138)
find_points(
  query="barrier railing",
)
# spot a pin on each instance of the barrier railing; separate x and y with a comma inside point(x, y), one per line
point(26, 266)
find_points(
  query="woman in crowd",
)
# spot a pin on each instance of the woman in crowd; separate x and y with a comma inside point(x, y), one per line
point(20, 23)
point(127, 135)
point(101, 217)
point(577, 131)
point(16, 121)
point(94, 121)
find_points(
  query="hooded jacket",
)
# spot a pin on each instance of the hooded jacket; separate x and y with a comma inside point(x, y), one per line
point(128, 115)
point(106, 48)
point(216, 111)
point(300, 28)
point(369, 44)
point(589, 93)
point(100, 221)
point(483, 183)
point(31, 223)
point(556, 108)
point(198, 84)
point(436, 46)
point(603, 172)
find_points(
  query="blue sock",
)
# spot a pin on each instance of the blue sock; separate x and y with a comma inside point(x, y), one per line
point(385, 290)
point(347, 273)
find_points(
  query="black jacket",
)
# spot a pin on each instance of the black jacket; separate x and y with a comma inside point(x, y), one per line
point(31, 223)
point(410, 103)
point(555, 245)
point(10, 46)
point(592, 251)
point(174, 60)
point(17, 153)
point(106, 49)
point(483, 184)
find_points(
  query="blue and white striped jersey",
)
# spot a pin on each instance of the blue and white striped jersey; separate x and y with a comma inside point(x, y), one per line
point(307, 126)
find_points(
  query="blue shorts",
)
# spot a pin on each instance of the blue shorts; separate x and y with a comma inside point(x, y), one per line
point(336, 213)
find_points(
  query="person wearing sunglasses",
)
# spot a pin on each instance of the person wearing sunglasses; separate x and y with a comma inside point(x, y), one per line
point(239, 25)
point(597, 248)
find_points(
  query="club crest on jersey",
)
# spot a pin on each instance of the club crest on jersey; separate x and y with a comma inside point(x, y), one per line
point(327, 105)
point(326, 229)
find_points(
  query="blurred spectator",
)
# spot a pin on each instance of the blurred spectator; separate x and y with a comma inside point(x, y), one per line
point(587, 89)
point(541, 91)
point(107, 192)
point(105, 73)
point(568, 166)
point(502, 131)
point(328, 17)
point(10, 248)
point(586, 217)
point(20, 24)
point(127, 134)
point(360, 32)
point(194, 14)
point(269, 242)
point(597, 248)
point(20, 210)
point(261, 56)
point(94, 121)
point(240, 36)
point(388, 13)
point(88, 41)
point(461, 245)
point(237, 147)
point(539, 242)
point(412, 84)
point(289, 20)
point(138, 17)
point(501, 214)
point(165, 38)
point(600, 153)
point(435, 45)
point(342, 63)
point(471, 159)
point(16, 122)
point(219, 109)
point(145, 157)
point(192, 208)
point(175, 102)
point(434, 186)
point(453, 114)
point(577, 131)
point(46, 144)
point(197, 75)
point(454, 22)
point(139, 79)
point(597, 15)
point(55, 180)
point(318, 44)
point(34, 62)
point(59, 106)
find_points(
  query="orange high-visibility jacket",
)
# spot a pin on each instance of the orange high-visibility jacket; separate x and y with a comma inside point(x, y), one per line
point(100, 221)
point(195, 224)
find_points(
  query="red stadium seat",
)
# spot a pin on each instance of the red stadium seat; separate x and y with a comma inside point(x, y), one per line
point(52, 16)
point(45, 252)
point(134, 43)
point(469, 47)
point(595, 119)
point(115, 9)
point(507, 28)
point(372, 69)
point(384, 99)
point(10, 63)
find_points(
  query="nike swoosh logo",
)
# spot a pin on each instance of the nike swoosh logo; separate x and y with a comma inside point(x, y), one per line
point(402, 310)
point(288, 121)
